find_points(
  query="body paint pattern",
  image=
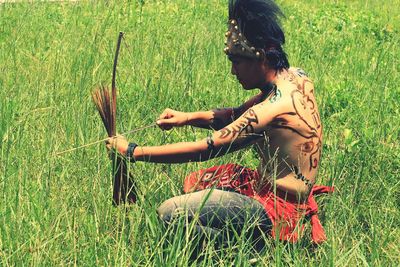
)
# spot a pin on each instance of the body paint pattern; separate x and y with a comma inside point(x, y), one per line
point(305, 120)
point(276, 96)
point(221, 117)
point(301, 177)
point(244, 127)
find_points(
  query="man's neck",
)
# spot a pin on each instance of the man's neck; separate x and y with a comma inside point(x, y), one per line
point(270, 77)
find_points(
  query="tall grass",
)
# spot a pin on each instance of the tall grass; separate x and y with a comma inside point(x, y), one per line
point(57, 210)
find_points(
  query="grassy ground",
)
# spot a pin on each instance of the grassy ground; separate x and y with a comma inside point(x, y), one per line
point(57, 210)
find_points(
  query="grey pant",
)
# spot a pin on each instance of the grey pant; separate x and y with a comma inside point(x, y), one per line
point(216, 211)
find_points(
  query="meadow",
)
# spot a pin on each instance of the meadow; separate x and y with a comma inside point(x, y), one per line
point(56, 210)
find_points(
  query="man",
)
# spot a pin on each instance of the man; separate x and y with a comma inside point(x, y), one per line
point(282, 122)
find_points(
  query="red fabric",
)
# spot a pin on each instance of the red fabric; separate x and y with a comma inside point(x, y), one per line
point(285, 212)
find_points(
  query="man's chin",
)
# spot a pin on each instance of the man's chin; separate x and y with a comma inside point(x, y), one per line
point(247, 87)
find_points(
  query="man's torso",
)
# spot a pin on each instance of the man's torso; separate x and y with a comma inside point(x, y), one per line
point(291, 148)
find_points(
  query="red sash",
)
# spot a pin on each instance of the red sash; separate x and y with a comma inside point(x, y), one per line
point(285, 213)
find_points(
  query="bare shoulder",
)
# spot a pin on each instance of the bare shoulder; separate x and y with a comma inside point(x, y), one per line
point(296, 90)
point(294, 79)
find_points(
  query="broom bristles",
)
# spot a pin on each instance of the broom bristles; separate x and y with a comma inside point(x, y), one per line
point(106, 108)
point(124, 189)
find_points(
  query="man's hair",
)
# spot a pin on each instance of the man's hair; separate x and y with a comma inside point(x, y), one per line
point(259, 23)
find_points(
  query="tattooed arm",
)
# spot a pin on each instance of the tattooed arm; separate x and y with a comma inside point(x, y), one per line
point(241, 133)
point(214, 119)
point(249, 128)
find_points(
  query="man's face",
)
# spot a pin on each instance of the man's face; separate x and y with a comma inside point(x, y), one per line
point(251, 73)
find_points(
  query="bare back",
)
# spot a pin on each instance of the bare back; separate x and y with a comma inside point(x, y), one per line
point(291, 149)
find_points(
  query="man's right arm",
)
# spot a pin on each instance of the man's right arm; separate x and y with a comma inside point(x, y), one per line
point(215, 119)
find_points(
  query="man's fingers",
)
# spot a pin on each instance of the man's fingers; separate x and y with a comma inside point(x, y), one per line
point(113, 140)
point(163, 122)
point(166, 114)
point(110, 141)
point(160, 122)
point(166, 124)
point(163, 115)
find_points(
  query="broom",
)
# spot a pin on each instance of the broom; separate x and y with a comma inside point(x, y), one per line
point(106, 104)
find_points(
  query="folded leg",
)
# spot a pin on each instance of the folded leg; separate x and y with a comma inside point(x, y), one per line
point(216, 212)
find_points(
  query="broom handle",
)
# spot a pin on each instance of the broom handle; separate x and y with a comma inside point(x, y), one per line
point(113, 85)
point(124, 189)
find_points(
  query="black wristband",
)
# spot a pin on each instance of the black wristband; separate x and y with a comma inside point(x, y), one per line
point(130, 150)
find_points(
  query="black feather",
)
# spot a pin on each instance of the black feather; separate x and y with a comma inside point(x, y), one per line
point(259, 22)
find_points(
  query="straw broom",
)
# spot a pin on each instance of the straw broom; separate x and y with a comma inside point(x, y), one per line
point(106, 104)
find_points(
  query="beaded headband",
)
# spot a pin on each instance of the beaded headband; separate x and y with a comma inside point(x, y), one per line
point(237, 44)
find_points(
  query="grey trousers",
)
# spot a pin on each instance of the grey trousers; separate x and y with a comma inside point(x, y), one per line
point(215, 212)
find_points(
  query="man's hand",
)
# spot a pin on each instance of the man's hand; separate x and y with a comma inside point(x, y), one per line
point(117, 143)
point(171, 118)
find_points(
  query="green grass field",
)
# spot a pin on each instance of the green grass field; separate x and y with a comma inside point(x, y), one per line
point(57, 210)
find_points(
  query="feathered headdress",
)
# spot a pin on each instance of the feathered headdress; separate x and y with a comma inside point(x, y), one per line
point(253, 28)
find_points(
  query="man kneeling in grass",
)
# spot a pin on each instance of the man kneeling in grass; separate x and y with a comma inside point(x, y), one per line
point(282, 123)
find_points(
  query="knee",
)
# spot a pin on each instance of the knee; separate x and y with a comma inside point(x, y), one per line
point(167, 210)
